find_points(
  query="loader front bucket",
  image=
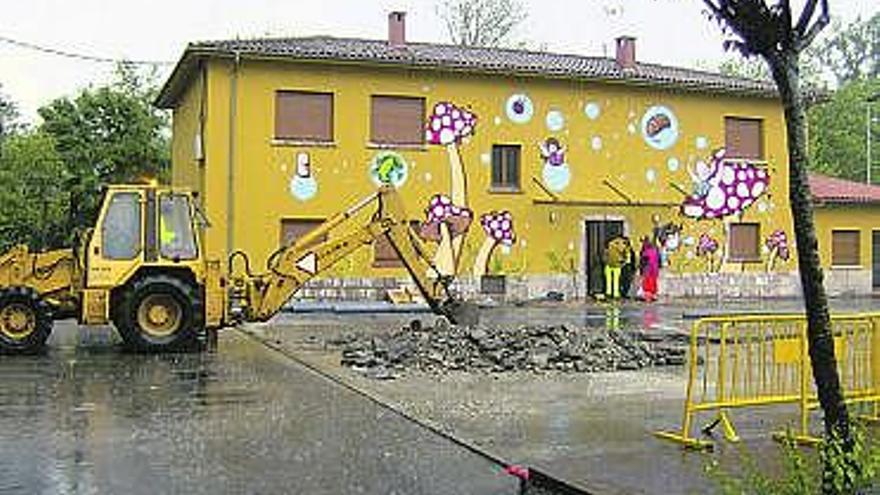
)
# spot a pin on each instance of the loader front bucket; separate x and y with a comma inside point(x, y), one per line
point(461, 312)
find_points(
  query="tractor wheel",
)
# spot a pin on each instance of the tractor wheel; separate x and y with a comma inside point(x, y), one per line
point(25, 321)
point(159, 314)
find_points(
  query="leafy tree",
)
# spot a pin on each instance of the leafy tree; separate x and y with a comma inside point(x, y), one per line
point(771, 31)
point(837, 130)
point(33, 203)
point(853, 50)
point(105, 135)
point(481, 22)
point(8, 116)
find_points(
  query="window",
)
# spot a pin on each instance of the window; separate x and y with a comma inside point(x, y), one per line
point(744, 242)
point(505, 167)
point(744, 138)
point(304, 116)
point(176, 239)
point(397, 120)
point(384, 255)
point(293, 229)
point(845, 247)
point(121, 230)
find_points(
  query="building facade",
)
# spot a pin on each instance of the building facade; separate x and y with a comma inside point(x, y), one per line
point(532, 160)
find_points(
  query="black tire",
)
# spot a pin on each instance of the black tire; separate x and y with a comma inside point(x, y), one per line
point(178, 325)
point(25, 321)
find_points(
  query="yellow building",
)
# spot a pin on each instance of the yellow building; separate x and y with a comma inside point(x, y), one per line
point(565, 150)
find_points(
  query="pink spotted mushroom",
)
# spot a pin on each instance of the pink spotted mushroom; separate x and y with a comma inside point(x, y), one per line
point(498, 226)
point(444, 222)
point(777, 243)
point(447, 126)
point(725, 187)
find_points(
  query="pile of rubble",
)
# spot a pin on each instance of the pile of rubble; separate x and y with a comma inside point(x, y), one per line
point(526, 348)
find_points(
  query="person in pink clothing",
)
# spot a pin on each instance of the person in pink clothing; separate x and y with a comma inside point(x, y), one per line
point(649, 267)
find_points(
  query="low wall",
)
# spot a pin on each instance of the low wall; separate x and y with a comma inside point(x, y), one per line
point(747, 285)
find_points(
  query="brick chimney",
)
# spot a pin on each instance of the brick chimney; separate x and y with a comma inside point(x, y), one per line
point(626, 52)
point(397, 29)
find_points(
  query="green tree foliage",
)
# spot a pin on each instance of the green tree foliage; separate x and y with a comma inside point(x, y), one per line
point(837, 130)
point(852, 51)
point(109, 134)
point(8, 116)
point(33, 199)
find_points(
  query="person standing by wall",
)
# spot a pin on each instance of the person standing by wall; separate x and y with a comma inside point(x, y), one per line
point(628, 270)
point(649, 266)
point(615, 259)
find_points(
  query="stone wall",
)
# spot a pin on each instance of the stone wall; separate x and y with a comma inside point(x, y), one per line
point(726, 286)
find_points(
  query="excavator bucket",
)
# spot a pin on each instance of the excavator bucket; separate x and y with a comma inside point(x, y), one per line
point(461, 312)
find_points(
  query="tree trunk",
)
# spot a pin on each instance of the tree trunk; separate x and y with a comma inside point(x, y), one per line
point(819, 335)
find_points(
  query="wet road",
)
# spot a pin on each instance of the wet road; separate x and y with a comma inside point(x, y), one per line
point(86, 418)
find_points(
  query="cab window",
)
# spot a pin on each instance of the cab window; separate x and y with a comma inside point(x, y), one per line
point(176, 238)
point(121, 230)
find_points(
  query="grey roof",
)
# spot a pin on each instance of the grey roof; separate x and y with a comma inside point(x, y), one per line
point(457, 58)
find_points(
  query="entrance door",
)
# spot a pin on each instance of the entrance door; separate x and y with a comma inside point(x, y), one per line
point(597, 234)
point(875, 259)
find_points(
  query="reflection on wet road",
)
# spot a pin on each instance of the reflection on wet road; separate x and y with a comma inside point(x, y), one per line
point(89, 419)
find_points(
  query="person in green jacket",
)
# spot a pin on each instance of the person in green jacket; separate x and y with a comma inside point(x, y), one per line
point(617, 255)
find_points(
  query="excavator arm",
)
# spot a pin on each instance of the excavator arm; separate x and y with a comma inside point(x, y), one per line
point(261, 297)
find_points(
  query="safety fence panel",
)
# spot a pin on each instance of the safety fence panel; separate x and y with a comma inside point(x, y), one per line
point(748, 361)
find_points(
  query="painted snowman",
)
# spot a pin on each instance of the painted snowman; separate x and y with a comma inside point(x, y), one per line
point(303, 185)
point(556, 172)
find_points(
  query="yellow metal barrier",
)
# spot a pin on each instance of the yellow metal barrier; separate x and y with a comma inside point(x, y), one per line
point(758, 360)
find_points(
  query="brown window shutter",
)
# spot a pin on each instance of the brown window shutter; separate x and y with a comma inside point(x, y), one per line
point(304, 115)
point(845, 247)
point(293, 229)
point(384, 255)
point(397, 120)
point(743, 241)
point(743, 138)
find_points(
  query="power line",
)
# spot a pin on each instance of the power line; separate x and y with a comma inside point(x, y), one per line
point(79, 56)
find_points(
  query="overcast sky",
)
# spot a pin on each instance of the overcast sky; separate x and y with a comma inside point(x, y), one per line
point(668, 31)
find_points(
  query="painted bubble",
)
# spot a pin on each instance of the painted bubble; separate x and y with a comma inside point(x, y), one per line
point(519, 108)
point(631, 128)
point(556, 177)
point(701, 142)
point(651, 175)
point(388, 168)
point(486, 158)
point(555, 120)
point(659, 127)
point(497, 120)
point(672, 164)
point(303, 185)
point(591, 110)
point(596, 143)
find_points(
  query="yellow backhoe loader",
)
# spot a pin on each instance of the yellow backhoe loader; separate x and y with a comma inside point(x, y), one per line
point(143, 270)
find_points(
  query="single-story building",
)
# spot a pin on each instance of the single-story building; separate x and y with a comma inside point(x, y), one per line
point(540, 158)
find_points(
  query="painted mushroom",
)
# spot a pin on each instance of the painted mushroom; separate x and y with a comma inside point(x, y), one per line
point(447, 126)
point(498, 226)
point(724, 187)
point(777, 243)
point(707, 247)
point(444, 222)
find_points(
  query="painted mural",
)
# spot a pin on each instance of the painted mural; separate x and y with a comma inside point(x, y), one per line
point(556, 172)
point(389, 168)
point(498, 226)
point(303, 185)
point(777, 245)
point(659, 127)
point(519, 108)
point(447, 126)
point(723, 187)
point(709, 249)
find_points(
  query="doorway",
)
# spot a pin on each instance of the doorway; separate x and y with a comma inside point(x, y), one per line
point(597, 233)
point(875, 259)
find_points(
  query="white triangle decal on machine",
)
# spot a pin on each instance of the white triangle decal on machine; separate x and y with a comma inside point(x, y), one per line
point(308, 263)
